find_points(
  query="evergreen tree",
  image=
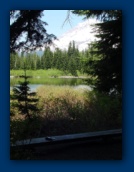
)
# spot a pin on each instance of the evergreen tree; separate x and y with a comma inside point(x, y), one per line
point(64, 61)
point(73, 67)
point(72, 57)
point(38, 63)
point(26, 100)
point(30, 23)
point(70, 50)
point(108, 49)
point(58, 60)
point(12, 61)
point(47, 58)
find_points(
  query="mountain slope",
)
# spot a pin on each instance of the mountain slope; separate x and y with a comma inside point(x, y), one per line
point(81, 34)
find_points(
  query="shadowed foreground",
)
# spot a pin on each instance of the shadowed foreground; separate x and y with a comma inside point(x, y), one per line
point(86, 151)
point(110, 149)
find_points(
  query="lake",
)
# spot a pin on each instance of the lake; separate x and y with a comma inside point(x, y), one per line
point(76, 83)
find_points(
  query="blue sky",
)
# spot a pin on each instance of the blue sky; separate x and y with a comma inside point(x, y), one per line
point(55, 20)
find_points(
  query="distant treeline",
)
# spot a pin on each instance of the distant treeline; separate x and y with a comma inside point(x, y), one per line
point(70, 60)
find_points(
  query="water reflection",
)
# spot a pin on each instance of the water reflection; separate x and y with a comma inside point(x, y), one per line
point(77, 83)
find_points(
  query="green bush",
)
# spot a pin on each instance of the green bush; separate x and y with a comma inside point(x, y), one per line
point(107, 111)
point(23, 128)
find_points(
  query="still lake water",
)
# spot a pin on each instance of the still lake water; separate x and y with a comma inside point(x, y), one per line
point(76, 83)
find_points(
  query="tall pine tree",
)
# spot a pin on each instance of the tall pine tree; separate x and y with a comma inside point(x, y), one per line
point(108, 49)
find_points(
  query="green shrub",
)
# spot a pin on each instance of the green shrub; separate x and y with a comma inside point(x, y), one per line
point(23, 128)
point(107, 111)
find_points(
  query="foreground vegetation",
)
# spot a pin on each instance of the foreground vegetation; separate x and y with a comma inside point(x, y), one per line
point(64, 110)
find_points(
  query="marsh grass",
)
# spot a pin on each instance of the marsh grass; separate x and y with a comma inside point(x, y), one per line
point(64, 110)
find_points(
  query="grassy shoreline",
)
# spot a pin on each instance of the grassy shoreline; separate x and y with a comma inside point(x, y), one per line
point(50, 73)
point(48, 77)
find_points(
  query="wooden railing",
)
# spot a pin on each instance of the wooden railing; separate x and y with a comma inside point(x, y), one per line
point(89, 136)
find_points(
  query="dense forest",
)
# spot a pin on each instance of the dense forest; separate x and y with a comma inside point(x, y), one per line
point(70, 60)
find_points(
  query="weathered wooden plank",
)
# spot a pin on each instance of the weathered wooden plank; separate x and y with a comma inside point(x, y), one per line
point(69, 137)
